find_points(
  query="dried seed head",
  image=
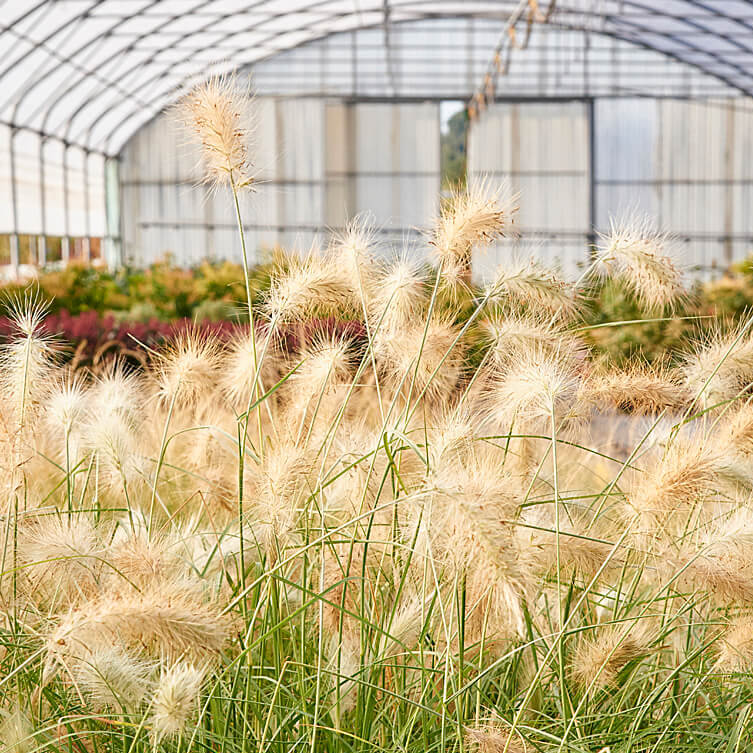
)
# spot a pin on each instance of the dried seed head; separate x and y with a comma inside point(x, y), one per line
point(607, 650)
point(187, 370)
point(400, 294)
point(216, 115)
point(239, 367)
point(309, 286)
point(470, 218)
point(61, 558)
point(112, 678)
point(637, 253)
point(720, 368)
point(115, 392)
point(676, 484)
point(176, 699)
point(494, 736)
point(353, 250)
point(722, 565)
point(515, 334)
point(638, 391)
point(528, 282)
point(422, 359)
point(164, 620)
point(537, 387)
point(26, 361)
point(735, 646)
point(66, 404)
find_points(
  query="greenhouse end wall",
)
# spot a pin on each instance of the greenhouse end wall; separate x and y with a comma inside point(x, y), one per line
point(318, 164)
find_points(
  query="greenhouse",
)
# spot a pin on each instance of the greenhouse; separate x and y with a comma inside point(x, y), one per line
point(590, 108)
point(376, 376)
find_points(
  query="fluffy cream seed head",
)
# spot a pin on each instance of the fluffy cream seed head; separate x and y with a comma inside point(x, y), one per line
point(603, 653)
point(188, 369)
point(116, 392)
point(720, 367)
point(26, 361)
point(176, 699)
point(400, 295)
point(638, 391)
point(494, 736)
point(637, 253)
point(112, 678)
point(538, 387)
point(308, 286)
point(470, 218)
point(239, 367)
point(354, 249)
point(67, 403)
point(216, 114)
point(528, 282)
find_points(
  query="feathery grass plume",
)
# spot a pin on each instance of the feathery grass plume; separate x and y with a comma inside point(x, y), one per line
point(353, 251)
point(722, 566)
point(602, 654)
point(16, 732)
point(307, 286)
point(466, 521)
point(721, 366)
point(636, 252)
point(66, 403)
point(239, 365)
point(176, 699)
point(26, 361)
point(65, 410)
point(529, 283)
point(119, 393)
point(324, 363)
point(736, 432)
point(277, 490)
point(165, 620)
point(400, 294)
point(580, 547)
point(145, 560)
point(61, 556)
point(422, 359)
point(473, 217)
point(119, 448)
point(536, 388)
point(494, 735)
point(115, 427)
point(187, 370)
point(112, 678)
point(677, 483)
point(639, 391)
point(735, 645)
point(451, 439)
point(404, 629)
point(215, 114)
point(511, 334)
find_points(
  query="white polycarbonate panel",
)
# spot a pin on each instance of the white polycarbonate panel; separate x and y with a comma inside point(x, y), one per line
point(59, 55)
point(315, 170)
point(542, 151)
point(26, 150)
point(7, 223)
point(54, 188)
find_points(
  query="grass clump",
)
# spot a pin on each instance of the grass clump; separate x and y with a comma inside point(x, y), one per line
point(445, 533)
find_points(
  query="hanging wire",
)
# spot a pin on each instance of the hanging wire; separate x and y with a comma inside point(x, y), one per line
point(508, 41)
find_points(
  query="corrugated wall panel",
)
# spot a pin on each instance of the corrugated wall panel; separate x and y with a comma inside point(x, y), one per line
point(541, 150)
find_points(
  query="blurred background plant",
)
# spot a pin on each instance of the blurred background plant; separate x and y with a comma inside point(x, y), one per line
point(91, 308)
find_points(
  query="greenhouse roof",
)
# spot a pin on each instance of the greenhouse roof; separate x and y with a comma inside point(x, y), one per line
point(91, 72)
